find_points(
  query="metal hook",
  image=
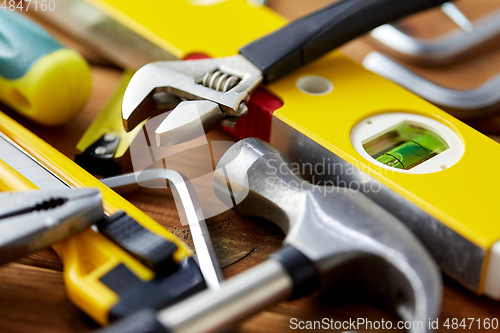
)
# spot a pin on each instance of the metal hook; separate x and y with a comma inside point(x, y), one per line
point(461, 103)
point(441, 49)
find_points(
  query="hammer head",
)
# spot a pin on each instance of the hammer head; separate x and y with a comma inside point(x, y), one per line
point(352, 241)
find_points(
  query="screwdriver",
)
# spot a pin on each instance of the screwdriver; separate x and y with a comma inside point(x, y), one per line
point(40, 78)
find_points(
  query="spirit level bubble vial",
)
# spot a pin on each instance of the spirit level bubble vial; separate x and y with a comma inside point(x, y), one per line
point(407, 142)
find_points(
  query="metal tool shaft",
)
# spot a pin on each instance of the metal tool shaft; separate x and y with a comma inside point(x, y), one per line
point(444, 49)
point(239, 298)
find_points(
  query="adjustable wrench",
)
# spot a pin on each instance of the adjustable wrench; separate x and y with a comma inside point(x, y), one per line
point(215, 90)
point(336, 240)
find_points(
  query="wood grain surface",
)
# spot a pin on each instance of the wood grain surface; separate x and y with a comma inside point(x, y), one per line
point(32, 293)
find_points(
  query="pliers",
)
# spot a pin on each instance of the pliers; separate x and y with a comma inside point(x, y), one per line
point(209, 92)
point(31, 221)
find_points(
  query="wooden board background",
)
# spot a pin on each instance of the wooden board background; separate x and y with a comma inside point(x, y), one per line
point(32, 294)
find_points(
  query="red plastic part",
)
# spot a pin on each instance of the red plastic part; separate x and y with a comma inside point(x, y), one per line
point(196, 56)
point(261, 106)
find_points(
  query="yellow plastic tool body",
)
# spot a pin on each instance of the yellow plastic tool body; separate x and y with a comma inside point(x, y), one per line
point(456, 197)
point(40, 78)
point(11, 180)
point(54, 90)
point(184, 27)
point(87, 256)
point(109, 121)
point(451, 195)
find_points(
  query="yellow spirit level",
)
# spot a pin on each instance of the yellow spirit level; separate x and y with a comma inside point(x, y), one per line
point(91, 261)
point(346, 125)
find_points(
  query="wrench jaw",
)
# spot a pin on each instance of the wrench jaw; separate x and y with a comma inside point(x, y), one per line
point(188, 121)
point(146, 95)
point(352, 241)
point(161, 86)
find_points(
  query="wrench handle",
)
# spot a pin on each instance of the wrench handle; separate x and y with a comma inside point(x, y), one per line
point(308, 38)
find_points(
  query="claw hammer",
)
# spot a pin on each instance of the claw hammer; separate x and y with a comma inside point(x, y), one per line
point(335, 238)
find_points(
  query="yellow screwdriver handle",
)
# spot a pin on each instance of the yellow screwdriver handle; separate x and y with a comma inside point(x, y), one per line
point(39, 78)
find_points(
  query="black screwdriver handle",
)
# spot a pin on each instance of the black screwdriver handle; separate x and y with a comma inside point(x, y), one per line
point(308, 38)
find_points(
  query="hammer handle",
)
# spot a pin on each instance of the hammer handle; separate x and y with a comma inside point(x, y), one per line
point(210, 311)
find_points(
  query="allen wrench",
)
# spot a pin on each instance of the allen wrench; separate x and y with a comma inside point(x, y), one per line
point(473, 103)
point(189, 210)
point(442, 49)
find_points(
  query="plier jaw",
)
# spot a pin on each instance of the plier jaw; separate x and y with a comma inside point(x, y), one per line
point(209, 92)
point(31, 221)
